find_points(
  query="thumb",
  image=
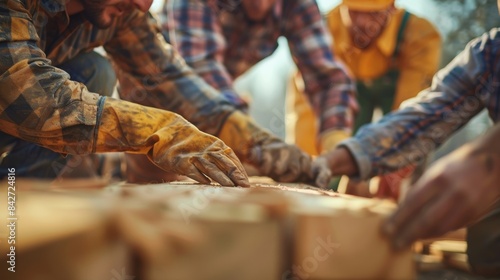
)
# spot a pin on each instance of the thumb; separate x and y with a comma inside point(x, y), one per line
point(255, 156)
point(321, 173)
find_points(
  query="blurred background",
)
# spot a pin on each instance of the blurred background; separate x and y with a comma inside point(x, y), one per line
point(458, 21)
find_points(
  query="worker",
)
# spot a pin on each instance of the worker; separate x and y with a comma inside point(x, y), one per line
point(459, 188)
point(392, 54)
point(222, 39)
point(42, 107)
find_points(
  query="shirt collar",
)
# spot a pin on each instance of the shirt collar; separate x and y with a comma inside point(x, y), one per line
point(387, 41)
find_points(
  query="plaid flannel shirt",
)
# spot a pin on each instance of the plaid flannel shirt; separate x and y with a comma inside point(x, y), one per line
point(40, 103)
point(220, 43)
point(470, 83)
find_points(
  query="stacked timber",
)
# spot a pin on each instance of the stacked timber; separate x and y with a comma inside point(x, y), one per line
point(191, 231)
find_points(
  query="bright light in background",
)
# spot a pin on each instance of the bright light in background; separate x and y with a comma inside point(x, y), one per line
point(327, 5)
point(156, 7)
point(418, 7)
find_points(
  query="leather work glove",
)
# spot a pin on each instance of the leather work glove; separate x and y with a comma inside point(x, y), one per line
point(169, 141)
point(269, 154)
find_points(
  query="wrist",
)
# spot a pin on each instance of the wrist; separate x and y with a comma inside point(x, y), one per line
point(235, 134)
point(488, 160)
point(341, 162)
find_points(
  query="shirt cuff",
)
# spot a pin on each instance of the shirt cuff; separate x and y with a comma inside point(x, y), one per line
point(235, 99)
point(360, 156)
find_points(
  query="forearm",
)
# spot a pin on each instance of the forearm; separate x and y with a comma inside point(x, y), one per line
point(330, 90)
point(334, 105)
point(204, 53)
point(186, 95)
point(487, 148)
point(160, 77)
point(332, 94)
point(215, 74)
point(38, 102)
point(41, 105)
point(407, 136)
point(341, 162)
point(335, 108)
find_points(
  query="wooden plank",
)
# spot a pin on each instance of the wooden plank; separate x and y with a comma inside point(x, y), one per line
point(339, 238)
point(264, 232)
point(60, 237)
point(242, 237)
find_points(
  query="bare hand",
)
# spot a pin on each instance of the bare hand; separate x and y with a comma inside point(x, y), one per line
point(456, 191)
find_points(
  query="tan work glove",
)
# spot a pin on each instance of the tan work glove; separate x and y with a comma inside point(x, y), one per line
point(169, 141)
point(270, 155)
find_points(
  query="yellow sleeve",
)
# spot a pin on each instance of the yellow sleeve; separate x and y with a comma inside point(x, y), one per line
point(329, 140)
point(419, 59)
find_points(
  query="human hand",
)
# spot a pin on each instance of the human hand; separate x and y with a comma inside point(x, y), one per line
point(321, 173)
point(287, 163)
point(456, 191)
point(198, 155)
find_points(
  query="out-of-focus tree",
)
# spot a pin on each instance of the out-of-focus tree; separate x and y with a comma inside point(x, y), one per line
point(462, 20)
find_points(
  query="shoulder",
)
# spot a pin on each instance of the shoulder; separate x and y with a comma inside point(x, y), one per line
point(333, 14)
point(491, 38)
point(333, 18)
point(487, 45)
point(419, 28)
point(480, 57)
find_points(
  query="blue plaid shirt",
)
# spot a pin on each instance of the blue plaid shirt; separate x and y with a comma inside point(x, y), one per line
point(470, 83)
point(221, 43)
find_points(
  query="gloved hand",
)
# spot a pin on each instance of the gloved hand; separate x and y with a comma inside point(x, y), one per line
point(321, 172)
point(329, 140)
point(169, 141)
point(270, 155)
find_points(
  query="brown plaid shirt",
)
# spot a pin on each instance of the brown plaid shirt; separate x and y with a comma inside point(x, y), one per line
point(38, 101)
